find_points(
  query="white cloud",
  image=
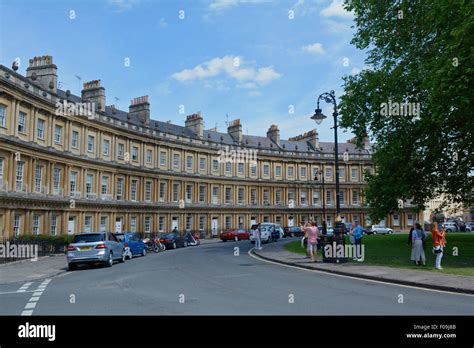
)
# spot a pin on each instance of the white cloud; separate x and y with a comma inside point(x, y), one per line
point(315, 48)
point(232, 67)
point(122, 5)
point(335, 9)
point(334, 26)
point(222, 5)
point(355, 71)
point(302, 8)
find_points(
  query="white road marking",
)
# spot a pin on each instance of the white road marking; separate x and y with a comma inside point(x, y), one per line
point(35, 298)
point(30, 305)
point(24, 287)
point(360, 279)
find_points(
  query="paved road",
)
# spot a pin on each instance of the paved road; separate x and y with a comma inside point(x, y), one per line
point(209, 279)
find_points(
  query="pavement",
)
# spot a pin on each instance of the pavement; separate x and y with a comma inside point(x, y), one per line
point(431, 280)
point(214, 278)
point(28, 270)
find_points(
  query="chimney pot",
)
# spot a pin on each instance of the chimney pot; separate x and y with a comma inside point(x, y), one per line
point(43, 72)
point(235, 130)
point(140, 108)
point(195, 123)
point(273, 134)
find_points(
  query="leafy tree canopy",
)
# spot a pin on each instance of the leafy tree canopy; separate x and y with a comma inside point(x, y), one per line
point(415, 99)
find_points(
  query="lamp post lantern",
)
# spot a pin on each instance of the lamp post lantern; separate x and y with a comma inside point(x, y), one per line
point(318, 117)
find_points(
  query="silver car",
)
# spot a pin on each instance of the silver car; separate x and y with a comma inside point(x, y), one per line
point(101, 247)
point(378, 229)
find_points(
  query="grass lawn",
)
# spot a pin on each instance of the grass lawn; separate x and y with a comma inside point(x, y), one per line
point(392, 250)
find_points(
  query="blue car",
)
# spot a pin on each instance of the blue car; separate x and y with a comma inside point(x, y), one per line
point(132, 244)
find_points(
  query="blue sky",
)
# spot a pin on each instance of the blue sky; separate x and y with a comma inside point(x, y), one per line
point(255, 60)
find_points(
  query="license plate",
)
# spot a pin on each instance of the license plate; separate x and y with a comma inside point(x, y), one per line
point(86, 248)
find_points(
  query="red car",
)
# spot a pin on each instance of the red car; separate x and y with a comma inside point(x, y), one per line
point(235, 235)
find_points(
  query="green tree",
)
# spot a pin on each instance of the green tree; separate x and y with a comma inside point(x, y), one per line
point(419, 53)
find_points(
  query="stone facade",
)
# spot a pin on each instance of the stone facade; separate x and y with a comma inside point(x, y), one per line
point(63, 170)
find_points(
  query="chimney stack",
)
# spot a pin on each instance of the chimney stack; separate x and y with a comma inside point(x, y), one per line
point(312, 137)
point(235, 130)
point(273, 134)
point(140, 108)
point(42, 71)
point(92, 92)
point(195, 123)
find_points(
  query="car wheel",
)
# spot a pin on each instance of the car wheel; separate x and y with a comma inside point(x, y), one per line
point(236, 239)
point(144, 252)
point(374, 232)
point(390, 232)
point(124, 257)
point(71, 266)
point(224, 240)
point(110, 261)
point(174, 245)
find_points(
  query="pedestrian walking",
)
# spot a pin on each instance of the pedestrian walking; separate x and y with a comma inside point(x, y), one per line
point(417, 250)
point(439, 242)
point(258, 240)
point(358, 233)
point(312, 231)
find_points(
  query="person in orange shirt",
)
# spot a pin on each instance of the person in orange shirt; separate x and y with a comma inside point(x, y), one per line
point(439, 242)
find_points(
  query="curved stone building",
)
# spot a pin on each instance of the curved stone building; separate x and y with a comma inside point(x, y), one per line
point(71, 164)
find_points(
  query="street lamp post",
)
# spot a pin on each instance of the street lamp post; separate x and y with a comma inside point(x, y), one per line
point(318, 117)
point(316, 178)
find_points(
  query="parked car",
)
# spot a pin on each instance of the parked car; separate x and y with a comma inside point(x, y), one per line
point(88, 248)
point(378, 229)
point(329, 230)
point(270, 232)
point(173, 240)
point(293, 231)
point(470, 226)
point(450, 226)
point(265, 234)
point(132, 244)
point(236, 235)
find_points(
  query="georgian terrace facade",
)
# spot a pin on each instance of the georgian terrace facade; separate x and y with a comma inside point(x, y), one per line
point(63, 170)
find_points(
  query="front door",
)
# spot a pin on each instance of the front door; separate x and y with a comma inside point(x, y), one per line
point(174, 223)
point(71, 225)
point(215, 226)
point(118, 225)
point(290, 221)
